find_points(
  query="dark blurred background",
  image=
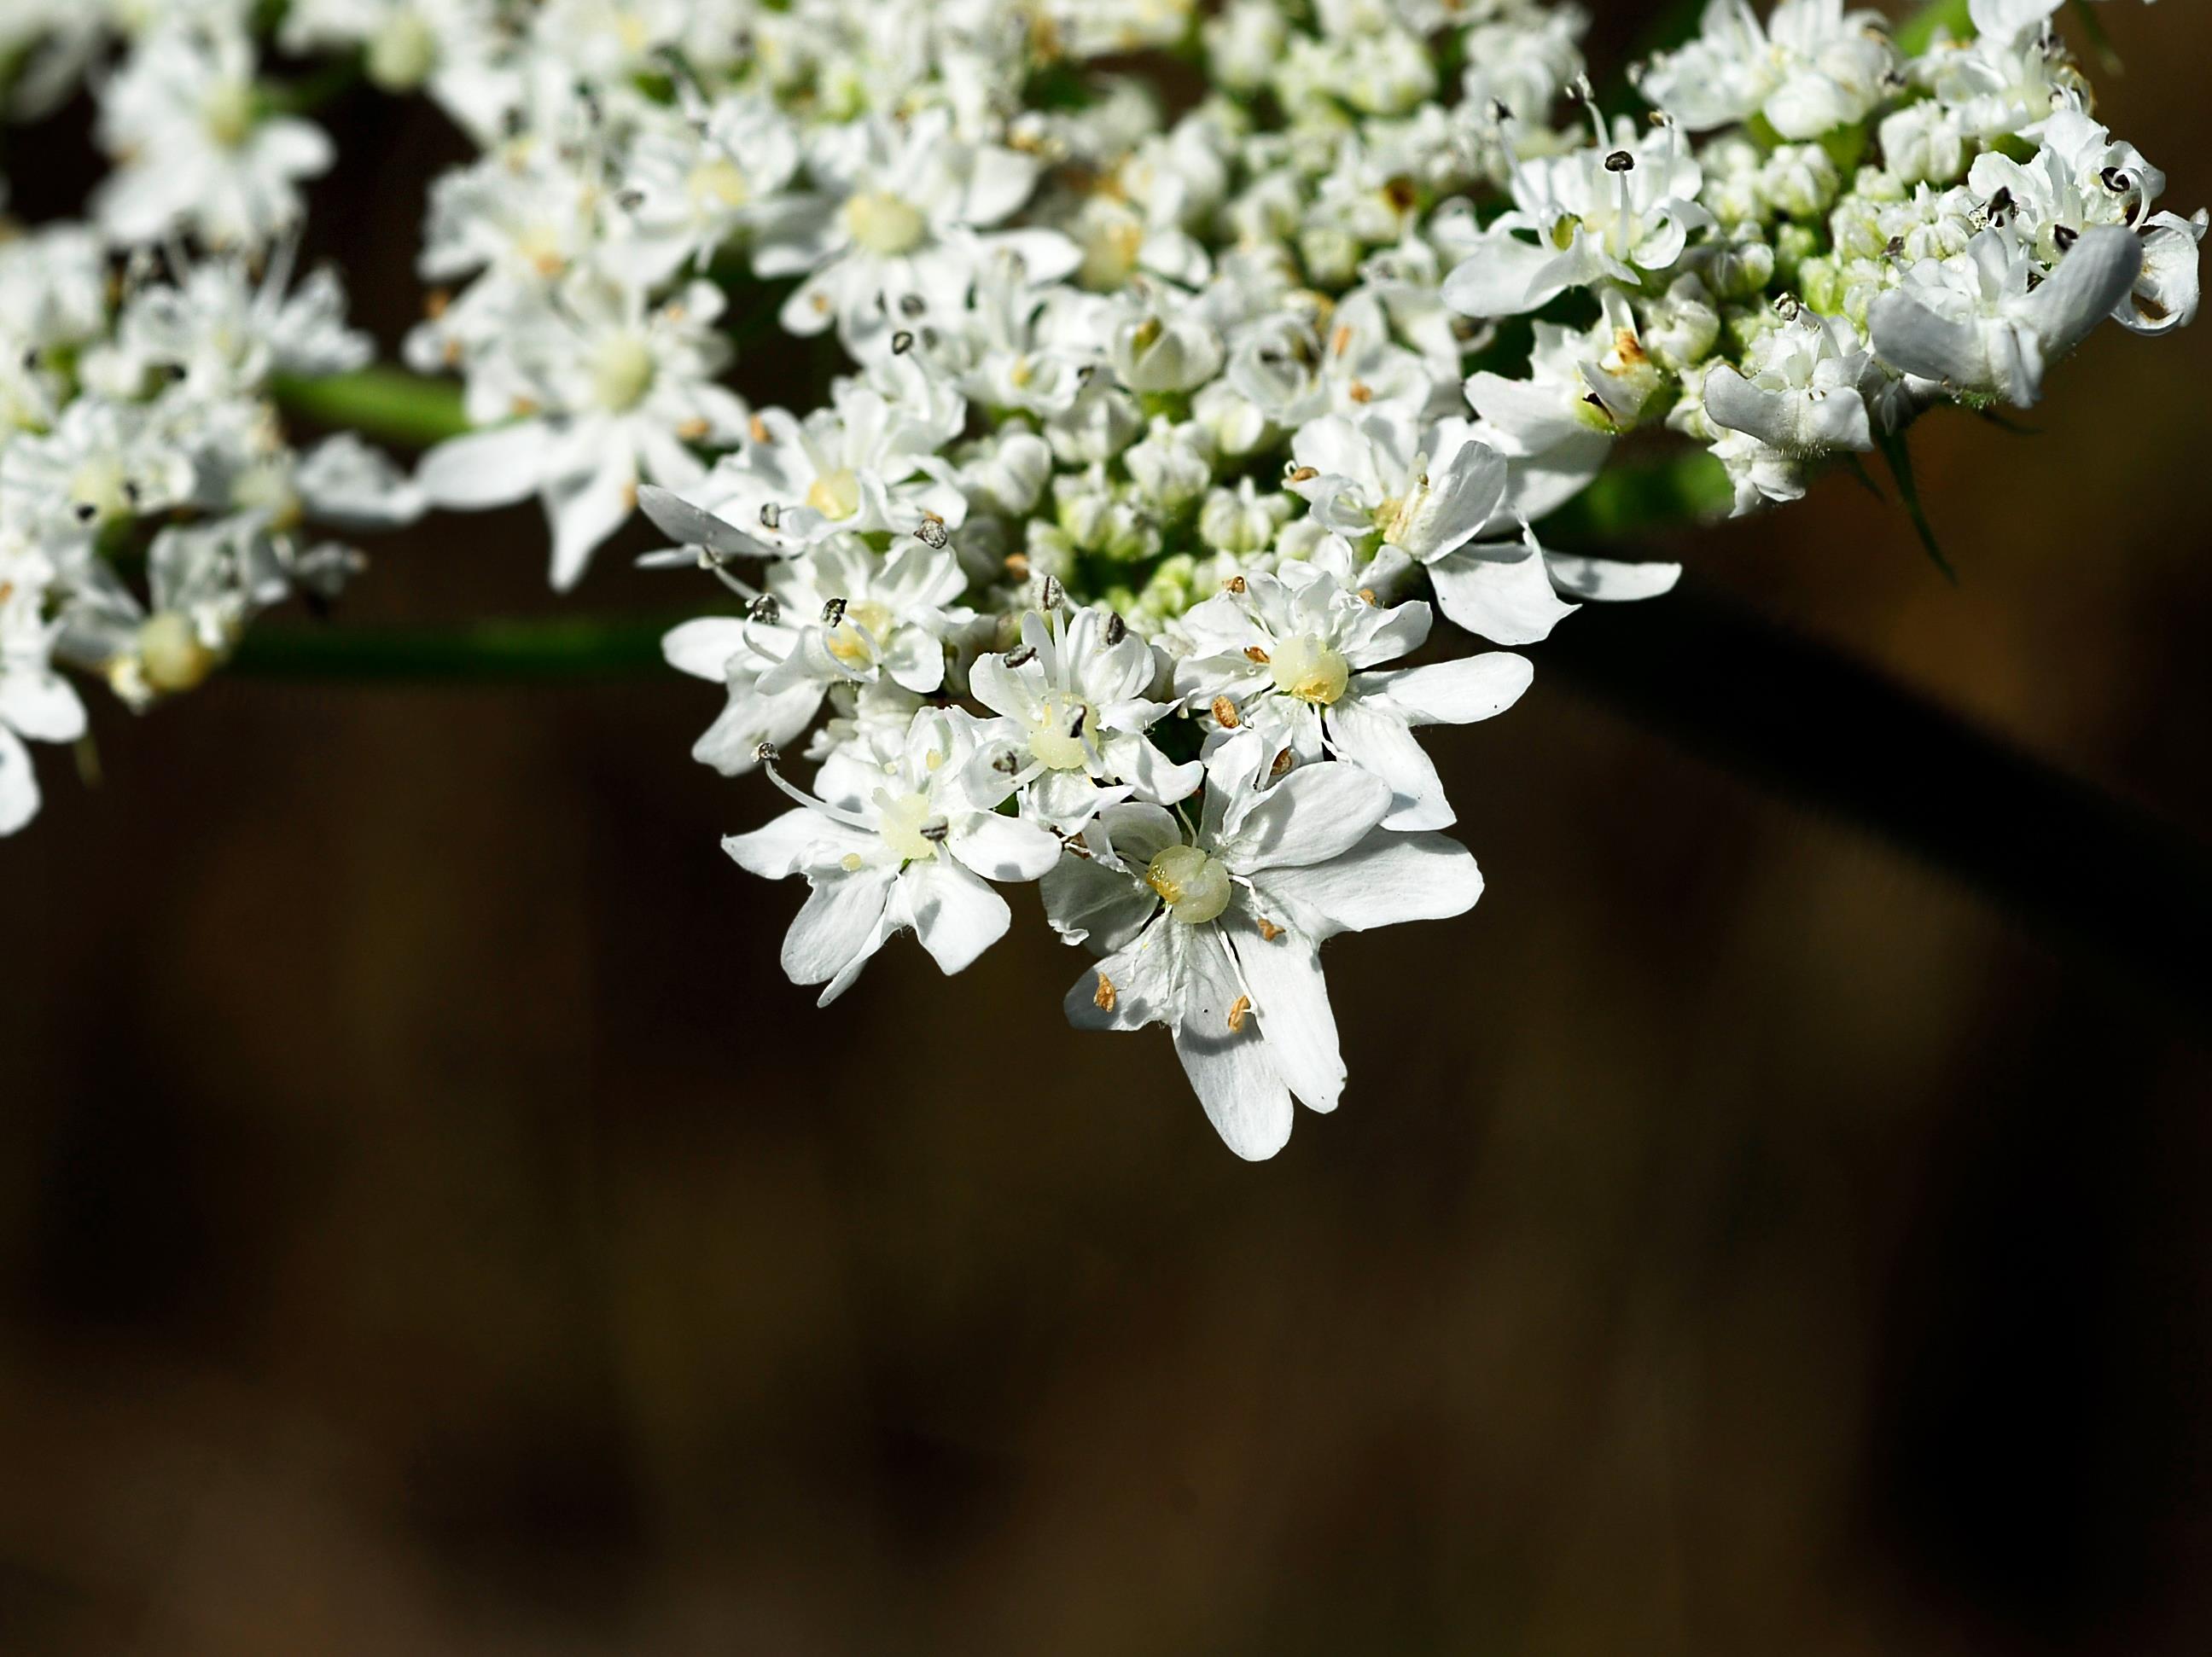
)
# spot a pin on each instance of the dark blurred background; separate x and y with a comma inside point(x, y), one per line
point(429, 1223)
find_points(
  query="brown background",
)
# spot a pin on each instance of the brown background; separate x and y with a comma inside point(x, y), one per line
point(428, 1222)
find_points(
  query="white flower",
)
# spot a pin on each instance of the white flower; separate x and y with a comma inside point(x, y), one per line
point(1799, 391)
point(1610, 213)
point(1215, 931)
point(1073, 702)
point(893, 236)
point(1295, 661)
point(916, 851)
point(1983, 324)
point(691, 186)
point(227, 332)
point(624, 390)
point(1811, 68)
point(866, 465)
point(194, 151)
point(842, 616)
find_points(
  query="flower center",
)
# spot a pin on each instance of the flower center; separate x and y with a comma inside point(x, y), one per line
point(904, 825)
point(1312, 671)
point(171, 655)
point(719, 183)
point(1194, 887)
point(1056, 738)
point(836, 494)
point(850, 643)
point(622, 372)
point(98, 484)
point(402, 54)
point(885, 224)
point(228, 111)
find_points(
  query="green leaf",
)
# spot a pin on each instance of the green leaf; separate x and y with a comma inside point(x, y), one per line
point(1899, 457)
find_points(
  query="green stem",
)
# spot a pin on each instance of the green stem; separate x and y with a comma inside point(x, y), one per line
point(1812, 726)
point(557, 649)
point(389, 404)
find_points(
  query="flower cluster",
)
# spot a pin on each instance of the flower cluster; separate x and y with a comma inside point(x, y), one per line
point(1103, 565)
point(150, 503)
point(1182, 362)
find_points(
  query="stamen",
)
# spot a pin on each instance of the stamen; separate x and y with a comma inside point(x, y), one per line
point(766, 754)
point(1239, 1014)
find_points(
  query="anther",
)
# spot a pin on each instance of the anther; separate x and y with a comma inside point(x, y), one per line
point(765, 609)
point(932, 534)
point(1225, 713)
point(1238, 1013)
point(1103, 998)
point(1254, 654)
point(86, 511)
point(2117, 181)
point(1116, 628)
point(1021, 658)
point(771, 515)
point(2064, 237)
point(911, 305)
point(902, 343)
point(765, 753)
point(833, 613)
point(1620, 162)
point(1051, 593)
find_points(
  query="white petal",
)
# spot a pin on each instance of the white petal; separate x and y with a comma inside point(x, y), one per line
point(493, 468)
point(1230, 1071)
point(957, 916)
point(1507, 278)
point(1134, 986)
point(1290, 998)
point(19, 785)
point(837, 926)
point(749, 717)
point(1500, 593)
point(1910, 333)
point(694, 527)
point(1318, 812)
point(779, 848)
point(1002, 848)
point(2088, 284)
point(1610, 580)
point(1456, 693)
point(586, 513)
point(1087, 903)
point(704, 648)
point(1377, 741)
point(1388, 879)
point(41, 704)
